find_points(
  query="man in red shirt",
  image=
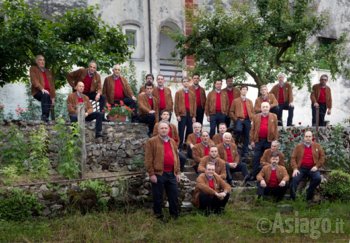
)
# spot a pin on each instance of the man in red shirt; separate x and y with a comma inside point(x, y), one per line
point(307, 158)
point(148, 107)
point(232, 93)
point(321, 98)
point(200, 97)
point(164, 96)
point(43, 86)
point(273, 179)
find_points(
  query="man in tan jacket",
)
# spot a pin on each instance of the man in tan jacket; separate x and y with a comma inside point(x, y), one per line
point(232, 93)
point(307, 158)
point(266, 97)
point(163, 167)
point(273, 179)
point(194, 138)
point(74, 99)
point(164, 96)
point(201, 149)
point(265, 158)
point(200, 97)
point(213, 157)
point(212, 192)
point(43, 86)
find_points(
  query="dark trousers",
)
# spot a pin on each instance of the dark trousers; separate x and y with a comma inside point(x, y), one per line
point(189, 152)
point(211, 203)
point(290, 109)
point(322, 111)
point(259, 149)
point(228, 122)
point(200, 115)
point(185, 122)
point(277, 192)
point(149, 119)
point(183, 160)
point(98, 116)
point(315, 180)
point(168, 182)
point(274, 110)
point(241, 167)
point(46, 102)
point(215, 120)
point(242, 129)
point(102, 100)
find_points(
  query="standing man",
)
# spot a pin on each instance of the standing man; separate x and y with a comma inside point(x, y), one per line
point(264, 131)
point(307, 158)
point(43, 86)
point(232, 93)
point(200, 97)
point(92, 83)
point(241, 113)
point(185, 110)
point(265, 159)
point(148, 107)
point(148, 78)
point(266, 97)
point(216, 107)
point(321, 98)
point(284, 95)
point(163, 167)
point(77, 98)
point(163, 95)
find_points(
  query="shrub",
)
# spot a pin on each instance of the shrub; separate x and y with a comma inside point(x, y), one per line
point(337, 186)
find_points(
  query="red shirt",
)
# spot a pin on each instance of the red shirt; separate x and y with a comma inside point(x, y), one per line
point(118, 89)
point(273, 182)
point(168, 157)
point(198, 140)
point(263, 131)
point(87, 83)
point(198, 97)
point(80, 99)
point(308, 160)
point(211, 183)
point(231, 96)
point(245, 111)
point(218, 102)
point(150, 102)
point(162, 104)
point(280, 95)
point(229, 154)
point(187, 101)
point(206, 150)
point(322, 97)
point(46, 82)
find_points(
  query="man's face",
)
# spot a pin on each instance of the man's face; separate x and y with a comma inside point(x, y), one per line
point(308, 137)
point(40, 61)
point(274, 160)
point(160, 80)
point(222, 129)
point(80, 87)
point(149, 79)
point(227, 139)
point(185, 83)
point(265, 107)
point(280, 79)
point(229, 82)
point(92, 67)
point(163, 129)
point(165, 116)
point(244, 91)
point(218, 85)
point(116, 70)
point(205, 137)
point(195, 79)
point(323, 81)
point(210, 170)
point(197, 128)
point(213, 152)
point(149, 90)
point(274, 147)
point(263, 91)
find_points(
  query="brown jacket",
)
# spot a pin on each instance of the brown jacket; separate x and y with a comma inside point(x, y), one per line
point(198, 151)
point(272, 133)
point(217, 139)
point(287, 92)
point(298, 153)
point(234, 152)
point(145, 108)
point(108, 89)
point(72, 102)
point(203, 97)
point(265, 174)
point(220, 166)
point(210, 104)
point(154, 156)
point(315, 94)
point(180, 109)
point(168, 98)
point(191, 138)
point(236, 93)
point(38, 83)
point(202, 185)
point(236, 110)
point(174, 133)
point(266, 158)
point(271, 99)
point(80, 74)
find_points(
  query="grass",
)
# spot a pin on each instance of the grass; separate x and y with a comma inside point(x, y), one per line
point(237, 224)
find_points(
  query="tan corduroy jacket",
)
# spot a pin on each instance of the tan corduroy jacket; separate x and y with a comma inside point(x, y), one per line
point(191, 138)
point(144, 106)
point(265, 173)
point(168, 98)
point(217, 139)
point(236, 110)
point(236, 93)
point(220, 166)
point(174, 132)
point(202, 92)
point(180, 108)
point(287, 92)
point(154, 156)
point(80, 74)
point(108, 88)
point(210, 104)
point(266, 158)
point(298, 153)
point(234, 152)
point(271, 99)
point(315, 94)
point(72, 102)
point(38, 83)
point(198, 151)
point(272, 133)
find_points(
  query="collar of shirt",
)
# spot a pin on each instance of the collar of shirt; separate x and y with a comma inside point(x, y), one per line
point(273, 167)
point(281, 84)
point(205, 144)
point(229, 89)
point(197, 134)
point(160, 87)
point(90, 74)
point(150, 96)
point(308, 145)
point(226, 145)
point(209, 177)
point(185, 90)
point(264, 98)
point(243, 98)
point(264, 114)
point(165, 138)
point(212, 160)
point(196, 86)
point(218, 91)
point(115, 77)
point(42, 69)
point(79, 94)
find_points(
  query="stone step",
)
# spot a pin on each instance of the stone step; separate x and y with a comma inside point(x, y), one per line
point(192, 176)
point(188, 168)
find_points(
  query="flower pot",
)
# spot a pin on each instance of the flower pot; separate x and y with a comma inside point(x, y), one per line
point(117, 118)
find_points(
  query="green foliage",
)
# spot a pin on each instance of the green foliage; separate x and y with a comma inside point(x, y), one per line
point(72, 38)
point(18, 205)
point(273, 37)
point(67, 139)
point(10, 173)
point(99, 187)
point(337, 186)
point(129, 73)
point(2, 115)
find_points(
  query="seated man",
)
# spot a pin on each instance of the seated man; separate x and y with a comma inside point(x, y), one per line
point(78, 97)
point(213, 157)
point(273, 179)
point(265, 159)
point(211, 192)
point(266, 97)
point(193, 138)
point(218, 138)
point(228, 152)
point(201, 149)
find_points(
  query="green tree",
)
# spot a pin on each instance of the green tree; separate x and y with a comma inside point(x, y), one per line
point(72, 38)
point(261, 39)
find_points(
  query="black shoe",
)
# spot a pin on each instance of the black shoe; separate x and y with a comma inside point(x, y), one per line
point(99, 135)
point(44, 118)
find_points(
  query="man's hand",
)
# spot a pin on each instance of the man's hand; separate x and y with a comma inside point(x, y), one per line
point(44, 91)
point(86, 114)
point(53, 101)
point(282, 183)
point(191, 145)
point(208, 118)
point(178, 178)
point(152, 112)
point(97, 97)
point(291, 105)
point(153, 179)
point(134, 98)
point(178, 118)
point(233, 165)
point(263, 183)
point(295, 172)
point(316, 104)
point(313, 169)
point(252, 144)
point(328, 111)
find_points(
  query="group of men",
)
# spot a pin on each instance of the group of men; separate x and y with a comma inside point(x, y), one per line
point(216, 156)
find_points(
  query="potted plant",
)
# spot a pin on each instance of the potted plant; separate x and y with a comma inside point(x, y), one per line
point(118, 113)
